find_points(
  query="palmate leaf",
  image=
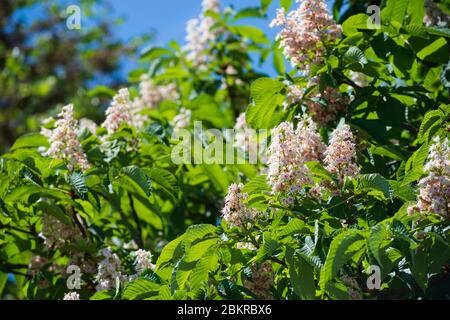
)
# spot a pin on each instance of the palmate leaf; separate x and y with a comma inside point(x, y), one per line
point(78, 184)
point(140, 178)
point(339, 254)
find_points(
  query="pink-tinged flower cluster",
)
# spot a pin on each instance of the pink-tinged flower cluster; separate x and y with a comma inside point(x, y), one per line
point(434, 192)
point(71, 296)
point(200, 33)
point(340, 156)
point(235, 211)
point(434, 16)
point(353, 288)
point(262, 280)
point(57, 234)
point(150, 97)
point(36, 264)
point(241, 137)
point(249, 143)
point(89, 125)
point(64, 144)
point(210, 5)
point(289, 151)
point(326, 105)
point(311, 146)
point(143, 261)
point(182, 119)
point(119, 112)
point(151, 94)
point(109, 269)
point(305, 31)
point(294, 95)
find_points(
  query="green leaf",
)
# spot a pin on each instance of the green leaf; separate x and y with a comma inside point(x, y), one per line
point(419, 266)
point(165, 179)
point(151, 53)
point(416, 10)
point(100, 91)
point(199, 275)
point(102, 295)
point(338, 254)
point(286, 4)
point(374, 181)
point(431, 118)
point(267, 96)
point(355, 55)
point(301, 275)
point(217, 176)
point(55, 211)
point(265, 5)
point(140, 289)
point(167, 253)
point(199, 231)
point(267, 249)
point(199, 249)
point(249, 32)
point(31, 140)
point(257, 185)
point(376, 241)
point(295, 226)
point(395, 10)
point(78, 183)
point(31, 176)
point(402, 191)
point(355, 22)
point(140, 178)
point(429, 50)
point(250, 12)
point(278, 60)
point(443, 32)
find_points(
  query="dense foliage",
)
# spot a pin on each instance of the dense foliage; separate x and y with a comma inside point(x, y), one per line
point(44, 64)
point(355, 178)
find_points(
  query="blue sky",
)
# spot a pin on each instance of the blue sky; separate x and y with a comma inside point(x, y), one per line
point(168, 18)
